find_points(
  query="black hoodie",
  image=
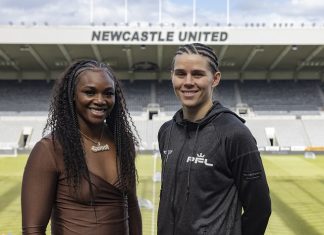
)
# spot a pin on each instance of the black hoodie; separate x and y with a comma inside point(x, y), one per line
point(211, 170)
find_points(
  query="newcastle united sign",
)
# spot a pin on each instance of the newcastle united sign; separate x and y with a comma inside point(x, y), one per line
point(160, 35)
point(155, 36)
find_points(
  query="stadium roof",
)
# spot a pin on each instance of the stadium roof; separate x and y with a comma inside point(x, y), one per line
point(252, 52)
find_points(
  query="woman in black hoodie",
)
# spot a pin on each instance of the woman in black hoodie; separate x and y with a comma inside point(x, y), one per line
point(213, 181)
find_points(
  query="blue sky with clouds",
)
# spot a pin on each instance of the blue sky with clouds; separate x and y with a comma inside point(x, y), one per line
point(213, 12)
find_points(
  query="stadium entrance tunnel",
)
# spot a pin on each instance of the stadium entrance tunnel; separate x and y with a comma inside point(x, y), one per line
point(271, 136)
point(153, 109)
point(24, 137)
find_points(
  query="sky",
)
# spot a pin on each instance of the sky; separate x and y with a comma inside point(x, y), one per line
point(178, 12)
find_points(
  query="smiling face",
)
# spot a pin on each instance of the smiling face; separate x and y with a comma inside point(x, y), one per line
point(193, 83)
point(94, 97)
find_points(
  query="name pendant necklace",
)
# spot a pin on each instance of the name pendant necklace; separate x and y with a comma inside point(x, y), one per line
point(97, 147)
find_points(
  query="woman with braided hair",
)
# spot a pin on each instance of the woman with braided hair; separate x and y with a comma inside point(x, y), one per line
point(82, 175)
point(213, 181)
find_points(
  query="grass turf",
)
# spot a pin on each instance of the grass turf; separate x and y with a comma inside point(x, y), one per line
point(296, 186)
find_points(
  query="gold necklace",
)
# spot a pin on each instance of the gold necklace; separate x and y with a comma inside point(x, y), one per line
point(97, 147)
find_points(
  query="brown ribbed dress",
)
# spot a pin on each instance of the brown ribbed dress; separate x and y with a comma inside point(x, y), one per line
point(47, 196)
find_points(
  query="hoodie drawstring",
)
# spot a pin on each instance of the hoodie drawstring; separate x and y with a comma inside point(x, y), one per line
point(166, 157)
point(189, 167)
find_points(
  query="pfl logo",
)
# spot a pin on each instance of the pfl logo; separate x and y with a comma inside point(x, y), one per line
point(199, 159)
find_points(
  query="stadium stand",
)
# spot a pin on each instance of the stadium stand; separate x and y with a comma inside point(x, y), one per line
point(28, 97)
point(20, 133)
point(288, 131)
point(287, 96)
point(10, 134)
point(315, 130)
point(279, 97)
point(227, 93)
point(137, 94)
point(165, 96)
point(291, 111)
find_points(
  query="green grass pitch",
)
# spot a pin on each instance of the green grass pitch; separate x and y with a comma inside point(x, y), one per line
point(296, 185)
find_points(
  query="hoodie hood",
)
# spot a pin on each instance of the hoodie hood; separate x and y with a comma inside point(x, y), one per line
point(213, 112)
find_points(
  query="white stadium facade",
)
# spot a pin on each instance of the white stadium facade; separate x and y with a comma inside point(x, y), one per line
point(272, 76)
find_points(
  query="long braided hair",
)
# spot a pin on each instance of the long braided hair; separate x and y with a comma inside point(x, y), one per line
point(63, 125)
point(199, 49)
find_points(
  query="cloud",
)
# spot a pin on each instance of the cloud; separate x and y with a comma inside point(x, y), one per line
point(78, 12)
point(308, 4)
point(54, 12)
point(23, 5)
point(306, 8)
